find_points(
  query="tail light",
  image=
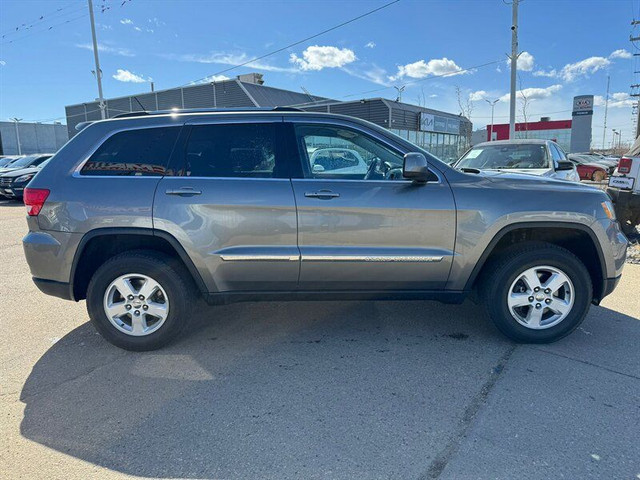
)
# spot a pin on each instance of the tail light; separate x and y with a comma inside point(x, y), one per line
point(34, 199)
point(624, 165)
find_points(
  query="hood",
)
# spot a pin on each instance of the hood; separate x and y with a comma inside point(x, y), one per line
point(532, 181)
point(15, 173)
point(594, 165)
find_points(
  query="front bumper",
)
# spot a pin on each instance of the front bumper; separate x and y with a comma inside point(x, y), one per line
point(12, 192)
point(53, 288)
point(609, 285)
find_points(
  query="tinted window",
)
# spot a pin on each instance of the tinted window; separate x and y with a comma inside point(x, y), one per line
point(134, 152)
point(338, 152)
point(242, 150)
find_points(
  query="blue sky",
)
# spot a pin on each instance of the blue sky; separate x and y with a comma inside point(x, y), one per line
point(571, 47)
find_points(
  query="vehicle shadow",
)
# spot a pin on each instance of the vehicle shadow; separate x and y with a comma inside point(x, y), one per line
point(277, 390)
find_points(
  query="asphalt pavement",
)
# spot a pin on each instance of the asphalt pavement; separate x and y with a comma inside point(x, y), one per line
point(331, 390)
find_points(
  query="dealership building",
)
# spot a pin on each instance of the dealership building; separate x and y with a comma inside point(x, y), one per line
point(446, 135)
point(572, 135)
point(25, 138)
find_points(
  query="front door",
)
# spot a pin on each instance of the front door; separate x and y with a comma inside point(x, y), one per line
point(361, 226)
point(231, 206)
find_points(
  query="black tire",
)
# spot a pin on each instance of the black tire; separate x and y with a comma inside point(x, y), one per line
point(500, 274)
point(168, 272)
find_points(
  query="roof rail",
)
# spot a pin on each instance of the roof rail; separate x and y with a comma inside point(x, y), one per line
point(206, 110)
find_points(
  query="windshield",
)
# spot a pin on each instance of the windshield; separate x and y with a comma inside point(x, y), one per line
point(505, 156)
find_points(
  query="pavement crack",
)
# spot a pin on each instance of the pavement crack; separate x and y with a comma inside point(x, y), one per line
point(584, 362)
point(440, 462)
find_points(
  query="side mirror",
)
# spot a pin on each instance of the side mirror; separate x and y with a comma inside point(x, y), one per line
point(564, 165)
point(415, 167)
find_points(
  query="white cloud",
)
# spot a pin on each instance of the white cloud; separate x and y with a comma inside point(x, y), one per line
point(214, 78)
point(126, 21)
point(525, 62)
point(616, 100)
point(477, 95)
point(542, 73)
point(533, 93)
point(371, 45)
point(316, 58)
point(2, 63)
point(620, 53)
point(137, 29)
point(421, 69)
point(571, 71)
point(223, 58)
point(123, 52)
point(127, 76)
point(372, 74)
point(155, 21)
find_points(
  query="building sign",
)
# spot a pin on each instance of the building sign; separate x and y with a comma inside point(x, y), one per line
point(582, 105)
point(436, 123)
point(581, 125)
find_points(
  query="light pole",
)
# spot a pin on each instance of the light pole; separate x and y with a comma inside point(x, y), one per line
point(493, 105)
point(613, 141)
point(15, 122)
point(514, 68)
point(95, 56)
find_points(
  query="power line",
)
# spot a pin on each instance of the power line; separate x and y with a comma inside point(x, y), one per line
point(370, 12)
point(28, 25)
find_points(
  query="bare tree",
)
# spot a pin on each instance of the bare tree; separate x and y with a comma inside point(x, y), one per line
point(421, 99)
point(465, 103)
point(524, 105)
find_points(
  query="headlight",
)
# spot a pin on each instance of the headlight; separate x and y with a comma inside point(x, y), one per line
point(608, 210)
point(24, 178)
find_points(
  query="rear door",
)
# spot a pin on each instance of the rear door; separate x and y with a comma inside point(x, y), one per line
point(231, 204)
point(371, 229)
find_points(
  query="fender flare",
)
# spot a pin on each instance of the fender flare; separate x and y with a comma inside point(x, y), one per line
point(101, 232)
point(547, 225)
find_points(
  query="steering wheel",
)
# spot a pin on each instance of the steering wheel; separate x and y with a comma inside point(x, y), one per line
point(393, 173)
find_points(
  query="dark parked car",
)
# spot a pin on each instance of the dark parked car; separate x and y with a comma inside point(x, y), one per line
point(12, 183)
point(5, 161)
point(26, 161)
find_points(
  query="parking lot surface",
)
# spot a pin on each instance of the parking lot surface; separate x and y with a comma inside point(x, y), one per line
point(362, 390)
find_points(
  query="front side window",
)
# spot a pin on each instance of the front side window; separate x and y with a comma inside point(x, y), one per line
point(232, 150)
point(505, 156)
point(337, 152)
point(142, 152)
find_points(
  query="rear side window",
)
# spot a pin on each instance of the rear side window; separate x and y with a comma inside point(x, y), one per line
point(232, 150)
point(134, 152)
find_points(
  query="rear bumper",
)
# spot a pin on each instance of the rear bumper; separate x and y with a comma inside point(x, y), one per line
point(53, 288)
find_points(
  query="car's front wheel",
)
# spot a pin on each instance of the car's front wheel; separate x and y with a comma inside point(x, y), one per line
point(140, 300)
point(537, 293)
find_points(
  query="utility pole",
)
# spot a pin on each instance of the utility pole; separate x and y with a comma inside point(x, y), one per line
point(101, 103)
point(493, 104)
point(15, 122)
point(606, 107)
point(514, 68)
point(400, 90)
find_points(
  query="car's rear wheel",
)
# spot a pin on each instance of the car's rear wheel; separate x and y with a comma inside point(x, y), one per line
point(537, 293)
point(598, 176)
point(140, 300)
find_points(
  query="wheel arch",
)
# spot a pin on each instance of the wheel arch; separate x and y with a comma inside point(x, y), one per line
point(558, 233)
point(98, 245)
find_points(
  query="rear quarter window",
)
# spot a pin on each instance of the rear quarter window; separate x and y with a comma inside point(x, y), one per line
point(141, 152)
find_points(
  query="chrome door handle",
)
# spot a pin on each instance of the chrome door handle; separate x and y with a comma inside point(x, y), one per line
point(183, 192)
point(322, 194)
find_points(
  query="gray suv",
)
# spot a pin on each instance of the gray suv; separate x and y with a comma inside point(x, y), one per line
point(140, 215)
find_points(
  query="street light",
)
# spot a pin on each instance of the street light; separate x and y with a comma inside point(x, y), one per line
point(493, 104)
point(613, 141)
point(15, 121)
